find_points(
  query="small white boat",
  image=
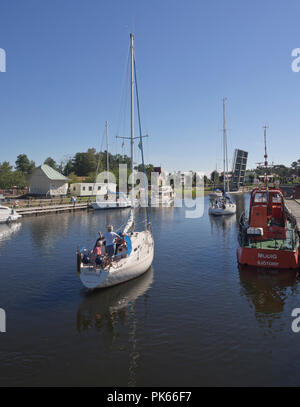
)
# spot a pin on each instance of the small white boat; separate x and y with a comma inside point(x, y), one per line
point(165, 196)
point(222, 207)
point(119, 203)
point(8, 215)
point(137, 251)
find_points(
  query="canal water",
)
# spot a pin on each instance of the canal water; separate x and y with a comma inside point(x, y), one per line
point(194, 319)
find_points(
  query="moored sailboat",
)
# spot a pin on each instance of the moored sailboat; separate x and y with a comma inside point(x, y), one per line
point(223, 205)
point(137, 246)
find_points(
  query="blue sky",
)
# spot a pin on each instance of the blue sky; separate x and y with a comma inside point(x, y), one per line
point(65, 74)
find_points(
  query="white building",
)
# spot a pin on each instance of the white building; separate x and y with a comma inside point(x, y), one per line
point(92, 188)
point(47, 181)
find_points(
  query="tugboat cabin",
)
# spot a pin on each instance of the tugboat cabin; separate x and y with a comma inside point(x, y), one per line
point(267, 219)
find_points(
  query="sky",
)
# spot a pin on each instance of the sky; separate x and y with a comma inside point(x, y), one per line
point(66, 65)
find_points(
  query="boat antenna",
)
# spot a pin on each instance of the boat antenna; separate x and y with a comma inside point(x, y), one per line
point(266, 155)
point(225, 156)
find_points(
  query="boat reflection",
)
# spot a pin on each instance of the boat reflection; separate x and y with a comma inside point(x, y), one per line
point(267, 291)
point(112, 310)
point(7, 230)
point(109, 305)
point(221, 223)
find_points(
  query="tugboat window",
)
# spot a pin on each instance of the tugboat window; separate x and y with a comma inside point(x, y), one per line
point(260, 197)
point(276, 198)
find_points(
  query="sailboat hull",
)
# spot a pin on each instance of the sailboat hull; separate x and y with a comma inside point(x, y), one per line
point(110, 205)
point(229, 210)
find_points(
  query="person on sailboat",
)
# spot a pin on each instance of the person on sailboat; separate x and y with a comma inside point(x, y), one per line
point(110, 236)
point(98, 253)
point(100, 238)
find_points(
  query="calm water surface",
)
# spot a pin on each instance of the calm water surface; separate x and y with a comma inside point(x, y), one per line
point(193, 319)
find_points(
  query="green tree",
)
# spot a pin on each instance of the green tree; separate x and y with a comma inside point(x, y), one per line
point(52, 163)
point(84, 163)
point(24, 165)
point(214, 177)
point(5, 175)
point(69, 168)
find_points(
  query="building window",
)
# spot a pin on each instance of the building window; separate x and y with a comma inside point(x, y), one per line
point(83, 188)
point(99, 188)
point(74, 188)
point(90, 188)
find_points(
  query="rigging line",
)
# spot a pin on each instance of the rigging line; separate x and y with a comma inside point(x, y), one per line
point(141, 143)
point(123, 93)
point(99, 157)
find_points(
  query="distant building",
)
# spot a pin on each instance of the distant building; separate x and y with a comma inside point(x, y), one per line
point(238, 169)
point(46, 181)
point(162, 177)
point(92, 188)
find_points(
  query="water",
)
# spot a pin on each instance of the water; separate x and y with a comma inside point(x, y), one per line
point(194, 319)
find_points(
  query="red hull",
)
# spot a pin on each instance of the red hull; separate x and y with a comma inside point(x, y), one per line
point(268, 258)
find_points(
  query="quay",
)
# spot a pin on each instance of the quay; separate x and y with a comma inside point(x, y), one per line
point(293, 208)
point(41, 210)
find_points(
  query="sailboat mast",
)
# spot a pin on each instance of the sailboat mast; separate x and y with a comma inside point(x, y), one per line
point(224, 145)
point(107, 157)
point(132, 116)
point(266, 156)
point(225, 156)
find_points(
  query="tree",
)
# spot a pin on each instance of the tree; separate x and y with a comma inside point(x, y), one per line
point(84, 163)
point(69, 168)
point(214, 177)
point(24, 165)
point(9, 178)
point(5, 175)
point(52, 163)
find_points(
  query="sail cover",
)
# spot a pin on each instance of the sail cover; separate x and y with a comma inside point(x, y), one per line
point(130, 221)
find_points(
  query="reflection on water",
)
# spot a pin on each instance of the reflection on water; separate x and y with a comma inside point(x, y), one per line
point(267, 291)
point(46, 230)
point(201, 321)
point(105, 305)
point(7, 230)
point(110, 309)
point(221, 223)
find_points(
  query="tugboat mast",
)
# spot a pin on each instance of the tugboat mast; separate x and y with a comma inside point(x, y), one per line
point(266, 155)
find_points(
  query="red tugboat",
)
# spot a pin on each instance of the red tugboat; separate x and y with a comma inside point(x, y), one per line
point(269, 237)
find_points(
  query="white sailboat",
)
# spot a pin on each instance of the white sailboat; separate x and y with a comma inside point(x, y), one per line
point(111, 200)
point(223, 205)
point(139, 253)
